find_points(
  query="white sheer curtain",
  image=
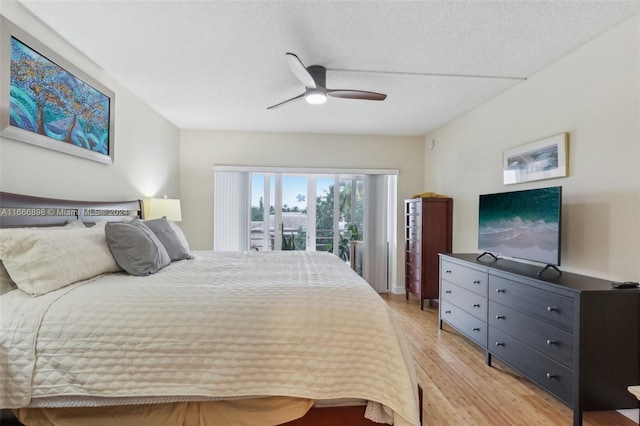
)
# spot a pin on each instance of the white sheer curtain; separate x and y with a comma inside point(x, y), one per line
point(231, 210)
point(375, 261)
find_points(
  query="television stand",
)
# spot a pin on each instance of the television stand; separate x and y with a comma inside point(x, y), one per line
point(572, 335)
point(490, 254)
point(549, 267)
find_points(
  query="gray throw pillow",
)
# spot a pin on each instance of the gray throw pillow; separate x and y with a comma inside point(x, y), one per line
point(181, 236)
point(169, 238)
point(136, 248)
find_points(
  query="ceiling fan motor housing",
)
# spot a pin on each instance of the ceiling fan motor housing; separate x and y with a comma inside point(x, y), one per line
point(319, 75)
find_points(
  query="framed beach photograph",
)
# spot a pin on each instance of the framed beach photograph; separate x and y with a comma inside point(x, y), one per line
point(546, 158)
point(47, 101)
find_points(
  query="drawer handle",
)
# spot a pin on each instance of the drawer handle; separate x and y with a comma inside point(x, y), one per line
point(499, 343)
point(475, 329)
point(499, 316)
point(476, 281)
point(551, 309)
point(551, 342)
point(476, 305)
point(447, 272)
point(447, 312)
point(499, 290)
point(448, 291)
point(551, 376)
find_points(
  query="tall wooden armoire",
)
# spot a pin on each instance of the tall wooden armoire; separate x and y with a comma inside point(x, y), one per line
point(428, 231)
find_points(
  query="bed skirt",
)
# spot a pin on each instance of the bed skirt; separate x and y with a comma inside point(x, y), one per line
point(266, 411)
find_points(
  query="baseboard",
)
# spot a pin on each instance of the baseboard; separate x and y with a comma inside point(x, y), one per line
point(396, 289)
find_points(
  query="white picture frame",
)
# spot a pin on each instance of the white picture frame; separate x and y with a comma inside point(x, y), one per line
point(75, 96)
point(546, 158)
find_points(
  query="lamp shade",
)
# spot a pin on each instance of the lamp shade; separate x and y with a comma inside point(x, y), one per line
point(164, 207)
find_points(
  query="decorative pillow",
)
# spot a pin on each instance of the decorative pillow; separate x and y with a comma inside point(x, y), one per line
point(39, 260)
point(169, 238)
point(71, 225)
point(136, 248)
point(6, 283)
point(181, 236)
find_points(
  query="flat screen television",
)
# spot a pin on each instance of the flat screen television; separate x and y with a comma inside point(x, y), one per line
point(522, 224)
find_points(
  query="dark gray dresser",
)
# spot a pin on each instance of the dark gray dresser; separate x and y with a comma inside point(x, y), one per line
point(572, 335)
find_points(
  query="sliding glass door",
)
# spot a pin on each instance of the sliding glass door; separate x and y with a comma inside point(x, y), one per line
point(306, 210)
point(326, 223)
point(294, 212)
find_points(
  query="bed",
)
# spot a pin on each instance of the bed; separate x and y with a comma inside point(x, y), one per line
point(250, 338)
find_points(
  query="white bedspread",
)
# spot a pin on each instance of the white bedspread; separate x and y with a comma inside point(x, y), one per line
point(220, 325)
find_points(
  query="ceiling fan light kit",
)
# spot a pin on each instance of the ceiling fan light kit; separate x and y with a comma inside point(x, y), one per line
point(314, 79)
point(316, 96)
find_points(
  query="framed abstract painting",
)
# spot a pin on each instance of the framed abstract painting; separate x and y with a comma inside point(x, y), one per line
point(47, 101)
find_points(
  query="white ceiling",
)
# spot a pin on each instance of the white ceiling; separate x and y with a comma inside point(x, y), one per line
point(220, 64)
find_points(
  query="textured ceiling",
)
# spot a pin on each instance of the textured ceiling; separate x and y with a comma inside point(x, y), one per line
point(219, 65)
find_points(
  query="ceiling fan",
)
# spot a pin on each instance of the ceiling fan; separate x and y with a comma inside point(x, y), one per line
point(314, 79)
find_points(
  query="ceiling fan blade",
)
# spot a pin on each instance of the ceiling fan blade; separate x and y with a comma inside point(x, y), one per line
point(300, 71)
point(288, 100)
point(356, 94)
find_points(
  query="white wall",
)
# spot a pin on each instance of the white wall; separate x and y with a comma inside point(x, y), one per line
point(146, 145)
point(200, 150)
point(594, 94)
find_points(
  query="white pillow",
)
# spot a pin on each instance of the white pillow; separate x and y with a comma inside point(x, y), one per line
point(71, 225)
point(40, 261)
point(6, 283)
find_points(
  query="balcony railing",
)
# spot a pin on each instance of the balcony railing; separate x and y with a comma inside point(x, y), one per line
point(324, 238)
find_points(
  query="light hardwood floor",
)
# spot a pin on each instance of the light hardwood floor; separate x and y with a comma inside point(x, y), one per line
point(459, 389)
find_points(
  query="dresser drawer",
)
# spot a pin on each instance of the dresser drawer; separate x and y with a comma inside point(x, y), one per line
point(467, 300)
point(413, 220)
point(412, 286)
point(549, 374)
point(413, 259)
point(413, 246)
point(414, 207)
point(412, 273)
point(548, 340)
point(472, 327)
point(467, 278)
point(413, 233)
point(544, 305)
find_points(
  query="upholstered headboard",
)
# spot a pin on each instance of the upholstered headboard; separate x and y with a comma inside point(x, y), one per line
point(23, 210)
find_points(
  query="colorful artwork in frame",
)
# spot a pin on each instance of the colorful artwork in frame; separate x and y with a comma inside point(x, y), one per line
point(48, 102)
